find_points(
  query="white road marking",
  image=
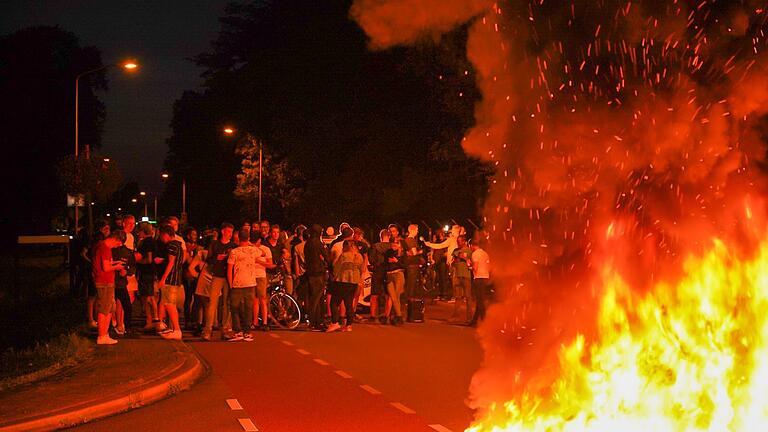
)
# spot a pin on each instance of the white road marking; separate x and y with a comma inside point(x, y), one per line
point(234, 404)
point(402, 408)
point(248, 425)
point(302, 351)
point(343, 374)
point(440, 428)
point(370, 389)
point(285, 342)
point(321, 362)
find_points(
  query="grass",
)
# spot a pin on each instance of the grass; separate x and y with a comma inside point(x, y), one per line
point(42, 359)
point(39, 317)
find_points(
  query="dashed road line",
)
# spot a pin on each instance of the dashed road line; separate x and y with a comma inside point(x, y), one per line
point(302, 351)
point(402, 408)
point(321, 362)
point(343, 374)
point(370, 389)
point(248, 425)
point(285, 342)
point(440, 428)
point(234, 404)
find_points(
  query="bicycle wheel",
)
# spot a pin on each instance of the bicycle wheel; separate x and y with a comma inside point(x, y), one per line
point(284, 311)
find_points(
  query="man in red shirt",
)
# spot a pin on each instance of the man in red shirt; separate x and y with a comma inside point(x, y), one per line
point(104, 279)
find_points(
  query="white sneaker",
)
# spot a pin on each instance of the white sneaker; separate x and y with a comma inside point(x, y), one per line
point(236, 337)
point(173, 335)
point(333, 327)
point(105, 340)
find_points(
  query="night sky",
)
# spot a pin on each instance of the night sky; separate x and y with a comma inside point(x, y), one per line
point(162, 36)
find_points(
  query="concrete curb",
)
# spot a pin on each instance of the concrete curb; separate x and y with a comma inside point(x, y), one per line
point(180, 378)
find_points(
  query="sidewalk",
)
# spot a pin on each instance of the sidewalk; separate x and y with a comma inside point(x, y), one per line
point(120, 377)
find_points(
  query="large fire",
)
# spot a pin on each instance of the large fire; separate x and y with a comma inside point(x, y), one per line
point(687, 357)
point(627, 136)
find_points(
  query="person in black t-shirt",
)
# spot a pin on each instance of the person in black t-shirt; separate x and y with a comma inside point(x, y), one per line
point(145, 254)
point(216, 264)
point(169, 282)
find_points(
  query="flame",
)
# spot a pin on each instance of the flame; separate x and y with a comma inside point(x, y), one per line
point(683, 357)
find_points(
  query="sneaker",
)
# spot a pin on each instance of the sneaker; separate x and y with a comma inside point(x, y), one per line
point(93, 324)
point(172, 335)
point(160, 326)
point(333, 327)
point(164, 331)
point(120, 331)
point(247, 337)
point(347, 328)
point(206, 337)
point(148, 327)
point(264, 328)
point(382, 320)
point(236, 337)
point(105, 340)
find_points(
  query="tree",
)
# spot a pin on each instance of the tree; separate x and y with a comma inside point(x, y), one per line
point(38, 67)
point(279, 182)
point(351, 131)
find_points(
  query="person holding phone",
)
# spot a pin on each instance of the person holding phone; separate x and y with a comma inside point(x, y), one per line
point(104, 269)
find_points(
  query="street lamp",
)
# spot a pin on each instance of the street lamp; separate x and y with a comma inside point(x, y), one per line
point(129, 66)
point(228, 130)
point(165, 176)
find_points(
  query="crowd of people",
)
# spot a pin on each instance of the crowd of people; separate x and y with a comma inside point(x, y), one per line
point(218, 279)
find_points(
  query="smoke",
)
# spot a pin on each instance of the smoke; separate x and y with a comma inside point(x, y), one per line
point(623, 134)
point(394, 22)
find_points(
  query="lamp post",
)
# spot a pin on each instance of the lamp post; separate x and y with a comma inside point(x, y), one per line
point(129, 66)
point(231, 131)
point(165, 176)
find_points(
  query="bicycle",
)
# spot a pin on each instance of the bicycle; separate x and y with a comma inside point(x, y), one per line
point(283, 309)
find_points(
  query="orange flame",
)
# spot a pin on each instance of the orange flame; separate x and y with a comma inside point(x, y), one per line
point(683, 357)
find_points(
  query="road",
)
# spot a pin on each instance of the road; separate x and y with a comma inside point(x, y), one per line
point(375, 378)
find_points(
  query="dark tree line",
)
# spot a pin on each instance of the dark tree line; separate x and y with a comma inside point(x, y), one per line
point(363, 136)
point(38, 67)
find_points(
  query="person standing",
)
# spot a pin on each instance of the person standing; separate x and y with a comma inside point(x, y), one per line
point(395, 277)
point(378, 262)
point(263, 265)
point(216, 264)
point(170, 283)
point(462, 277)
point(317, 260)
point(440, 260)
point(412, 261)
point(104, 269)
point(481, 266)
point(123, 307)
point(146, 275)
point(190, 272)
point(241, 275)
point(347, 272)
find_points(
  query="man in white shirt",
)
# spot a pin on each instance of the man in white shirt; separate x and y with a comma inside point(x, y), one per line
point(481, 266)
point(242, 275)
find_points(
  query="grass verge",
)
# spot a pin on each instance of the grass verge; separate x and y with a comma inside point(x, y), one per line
point(43, 359)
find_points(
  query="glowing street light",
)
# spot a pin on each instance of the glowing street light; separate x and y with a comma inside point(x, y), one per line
point(164, 175)
point(142, 193)
point(134, 200)
point(229, 131)
point(106, 159)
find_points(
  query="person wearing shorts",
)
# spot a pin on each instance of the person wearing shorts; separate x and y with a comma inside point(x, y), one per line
point(145, 269)
point(169, 283)
point(104, 269)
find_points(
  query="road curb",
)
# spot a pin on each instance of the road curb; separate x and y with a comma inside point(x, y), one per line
point(178, 379)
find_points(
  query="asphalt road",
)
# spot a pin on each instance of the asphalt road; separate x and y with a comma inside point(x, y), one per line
point(375, 378)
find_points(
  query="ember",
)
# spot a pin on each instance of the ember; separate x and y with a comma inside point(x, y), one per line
point(628, 140)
